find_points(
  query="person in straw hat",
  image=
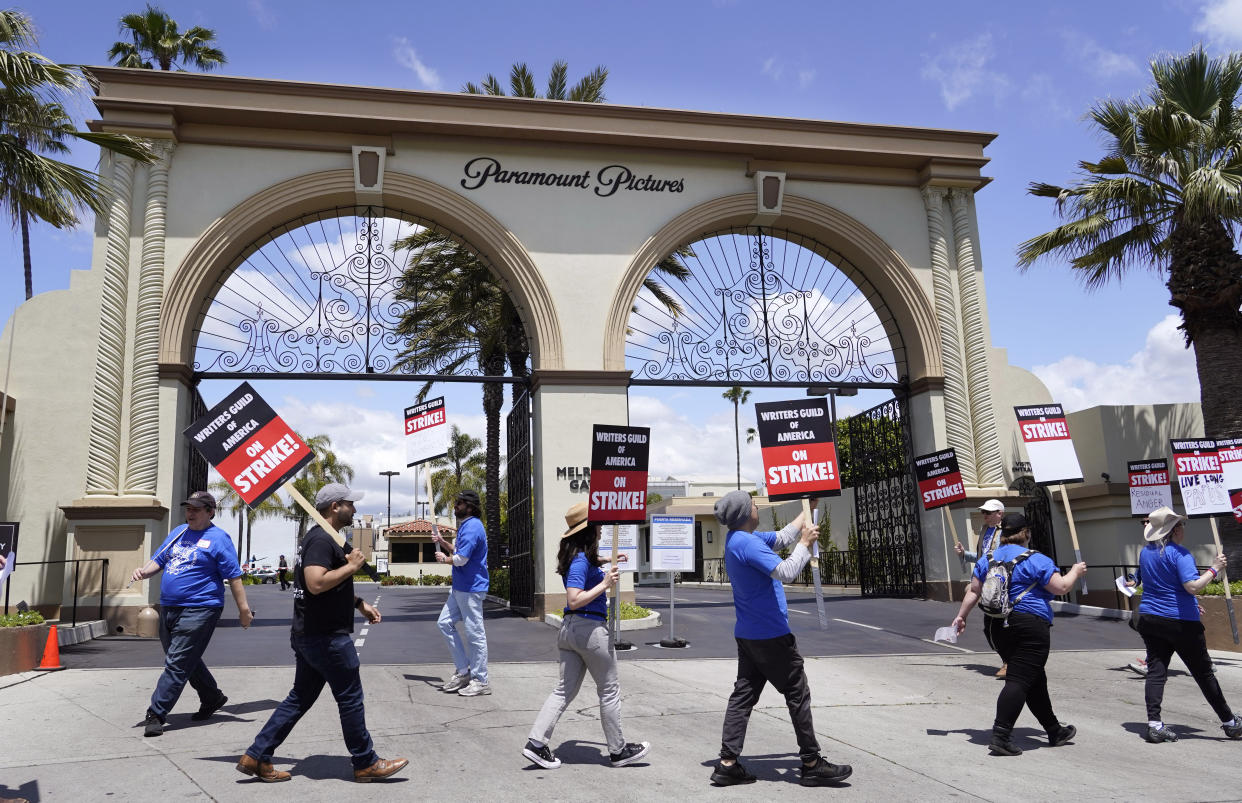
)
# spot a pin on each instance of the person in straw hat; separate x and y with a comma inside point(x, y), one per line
point(1170, 620)
point(584, 645)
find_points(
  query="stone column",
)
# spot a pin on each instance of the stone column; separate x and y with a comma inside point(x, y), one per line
point(990, 468)
point(142, 463)
point(956, 404)
point(103, 465)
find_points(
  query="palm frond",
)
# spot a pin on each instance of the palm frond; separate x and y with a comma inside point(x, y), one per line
point(521, 82)
point(557, 81)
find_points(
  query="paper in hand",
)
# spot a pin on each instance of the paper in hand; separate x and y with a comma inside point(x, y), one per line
point(946, 634)
point(1123, 588)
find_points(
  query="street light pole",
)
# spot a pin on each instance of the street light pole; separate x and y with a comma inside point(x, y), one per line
point(389, 475)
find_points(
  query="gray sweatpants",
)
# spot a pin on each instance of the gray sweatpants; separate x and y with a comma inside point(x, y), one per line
point(584, 647)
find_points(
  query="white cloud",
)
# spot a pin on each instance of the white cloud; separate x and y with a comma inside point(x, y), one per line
point(1221, 22)
point(406, 56)
point(1101, 61)
point(805, 77)
point(1041, 97)
point(262, 14)
point(1162, 372)
point(772, 68)
point(695, 447)
point(962, 72)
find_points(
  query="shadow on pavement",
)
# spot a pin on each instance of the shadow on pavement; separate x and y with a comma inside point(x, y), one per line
point(27, 791)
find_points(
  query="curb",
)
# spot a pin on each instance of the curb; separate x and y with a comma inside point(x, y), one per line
point(1094, 611)
point(646, 623)
point(81, 632)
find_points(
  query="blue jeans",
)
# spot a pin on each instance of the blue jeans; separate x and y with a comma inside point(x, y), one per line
point(329, 659)
point(185, 633)
point(466, 607)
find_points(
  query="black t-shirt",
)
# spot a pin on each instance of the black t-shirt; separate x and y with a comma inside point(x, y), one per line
point(332, 611)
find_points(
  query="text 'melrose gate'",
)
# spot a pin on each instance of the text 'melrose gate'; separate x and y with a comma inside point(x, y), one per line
point(252, 448)
point(799, 454)
point(939, 479)
point(618, 491)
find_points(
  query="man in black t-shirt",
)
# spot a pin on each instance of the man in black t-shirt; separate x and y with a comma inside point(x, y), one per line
point(323, 646)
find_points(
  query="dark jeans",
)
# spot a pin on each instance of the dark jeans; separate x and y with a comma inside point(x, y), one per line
point(1023, 645)
point(321, 659)
point(1163, 637)
point(185, 633)
point(775, 661)
point(284, 579)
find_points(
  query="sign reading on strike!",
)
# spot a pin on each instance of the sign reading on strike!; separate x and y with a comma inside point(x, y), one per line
point(1229, 450)
point(799, 455)
point(618, 492)
point(1048, 444)
point(939, 479)
point(1149, 486)
point(1199, 477)
point(1235, 499)
point(252, 448)
point(426, 432)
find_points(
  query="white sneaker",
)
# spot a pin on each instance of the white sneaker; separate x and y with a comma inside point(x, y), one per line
point(1137, 668)
point(456, 682)
point(474, 689)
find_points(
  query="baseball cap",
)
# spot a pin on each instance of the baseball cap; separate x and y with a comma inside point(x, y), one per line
point(469, 497)
point(1012, 523)
point(993, 506)
point(335, 492)
point(200, 499)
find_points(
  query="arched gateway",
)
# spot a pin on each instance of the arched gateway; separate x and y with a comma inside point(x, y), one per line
point(570, 205)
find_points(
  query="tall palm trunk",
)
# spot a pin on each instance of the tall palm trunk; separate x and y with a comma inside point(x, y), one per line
point(493, 398)
point(737, 444)
point(25, 224)
point(241, 533)
point(249, 544)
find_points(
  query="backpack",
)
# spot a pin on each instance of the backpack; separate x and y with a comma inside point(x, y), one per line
point(994, 598)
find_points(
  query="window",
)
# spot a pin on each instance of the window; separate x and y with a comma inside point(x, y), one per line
point(429, 553)
point(402, 551)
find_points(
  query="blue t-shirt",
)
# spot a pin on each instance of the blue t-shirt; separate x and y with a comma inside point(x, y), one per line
point(471, 544)
point(758, 598)
point(1163, 571)
point(195, 567)
point(583, 575)
point(989, 538)
point(1037, 569)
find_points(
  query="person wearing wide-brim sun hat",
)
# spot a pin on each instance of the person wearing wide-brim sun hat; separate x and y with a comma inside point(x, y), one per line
point(1170, 621)
point(584, 645)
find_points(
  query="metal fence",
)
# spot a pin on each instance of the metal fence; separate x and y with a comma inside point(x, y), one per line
point(103, 581)
point(835, 569)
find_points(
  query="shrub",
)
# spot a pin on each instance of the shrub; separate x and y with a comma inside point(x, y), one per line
point(631, 611)
point(21, 619)
point(1217, 589)
point(499, 583)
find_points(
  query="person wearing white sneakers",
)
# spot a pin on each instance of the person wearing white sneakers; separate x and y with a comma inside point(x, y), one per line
point(468, 554)
point(993, 511)
point(584, 646)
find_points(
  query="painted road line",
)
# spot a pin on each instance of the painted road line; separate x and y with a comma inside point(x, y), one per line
point(804, 613)
point(945, 644)
point(857, 624)
point(363, 631)
point(359, 642)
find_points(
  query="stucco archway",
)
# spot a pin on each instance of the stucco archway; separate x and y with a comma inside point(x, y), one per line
point(878, 263)
point(217, 250)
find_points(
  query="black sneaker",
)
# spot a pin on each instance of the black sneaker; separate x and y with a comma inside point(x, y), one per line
point(629, 754)
point(152, 725)
point(1062, 735)
point(824, 773)
point(205, 710)
point(733, 774)
point(1004, 747)
point(1160, 734)
point(1233, 729)
point(541, 756)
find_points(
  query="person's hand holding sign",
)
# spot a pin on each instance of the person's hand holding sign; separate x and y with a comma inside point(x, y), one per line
point(355, 559)
point(809, 534)
point(612, 576)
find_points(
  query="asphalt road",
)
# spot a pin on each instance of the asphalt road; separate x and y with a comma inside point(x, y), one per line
point(704, 617)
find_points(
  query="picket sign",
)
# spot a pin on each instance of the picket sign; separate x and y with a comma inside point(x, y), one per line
point(948, 566)
point(313, 513)
point(1069, 516)
point(1045, 432)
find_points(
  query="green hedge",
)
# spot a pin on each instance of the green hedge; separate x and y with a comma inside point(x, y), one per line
point(498, 580)
point(426, 580)
point(631, 611)
point(1218, 589)
point(21, 619)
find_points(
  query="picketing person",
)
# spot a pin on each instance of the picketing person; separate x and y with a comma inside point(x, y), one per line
point(989, 539)
point(197, 560)
point(767, 651)
point(584, 645)
point(468, 554)
point(1019, 629)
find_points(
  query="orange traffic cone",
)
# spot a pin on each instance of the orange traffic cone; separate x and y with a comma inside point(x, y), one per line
point(51, 653)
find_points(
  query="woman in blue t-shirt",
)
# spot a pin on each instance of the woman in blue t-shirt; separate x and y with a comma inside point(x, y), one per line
point(1170, 620)
point(584, 645)
point(1022, 639)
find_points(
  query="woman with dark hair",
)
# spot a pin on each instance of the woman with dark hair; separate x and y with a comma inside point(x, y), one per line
point(1022, 637)
point(584, 645)
point(1170, 621)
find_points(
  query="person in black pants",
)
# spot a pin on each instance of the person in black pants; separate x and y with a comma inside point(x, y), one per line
point(1022, 638)
point(282, 569)
point(1170, 622)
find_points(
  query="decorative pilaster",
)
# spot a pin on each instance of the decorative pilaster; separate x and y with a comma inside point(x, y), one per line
point(956, 404)
point(142, 463)
point(990, 468)
point(103, 464)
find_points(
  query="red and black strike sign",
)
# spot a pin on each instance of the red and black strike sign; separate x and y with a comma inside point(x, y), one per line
point(939, 479)
point(1199, 477)
point(1229, 450)
point(252, 448)
point(799, 455)
point(1046, 435)
point(1235, 499)
point(426, 432)
point(1149, 485)
point(618, 492)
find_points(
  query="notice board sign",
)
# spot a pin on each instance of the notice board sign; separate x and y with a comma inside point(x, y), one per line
point(672, 543)
point(799, 453)
point(626, 538)
point(939, 479)
point(426, 432)
point(618, 490)
point(252, 448)
point(1046, 435)
point(1199, 477)
point(1149, 485)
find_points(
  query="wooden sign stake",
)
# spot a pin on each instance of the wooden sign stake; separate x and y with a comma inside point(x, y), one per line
point(1069, 516)
point(1224, 579)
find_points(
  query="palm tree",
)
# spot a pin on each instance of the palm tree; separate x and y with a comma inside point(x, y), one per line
point(271, 507)
point(155, 39)
point(1167, 196)
point(739, 396)
point(229, 500)
point(33, 128)
point(590, 89)
point(325, 468)
point(462, 467)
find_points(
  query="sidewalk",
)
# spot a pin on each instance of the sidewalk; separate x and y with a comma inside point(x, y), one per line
point(913, 727)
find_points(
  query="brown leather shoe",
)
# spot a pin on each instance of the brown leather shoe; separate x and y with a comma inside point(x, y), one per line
point(380, 769)
point(1003, 671)
point(264, 771)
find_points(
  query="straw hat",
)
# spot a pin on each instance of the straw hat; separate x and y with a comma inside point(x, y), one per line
point(576, 519)
point(1160, 522)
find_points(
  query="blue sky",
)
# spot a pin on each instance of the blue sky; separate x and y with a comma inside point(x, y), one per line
point(1025, 71)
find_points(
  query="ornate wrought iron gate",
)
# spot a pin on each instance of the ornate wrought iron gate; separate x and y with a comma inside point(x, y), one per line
point(521, 506)
point(196, 471)
point(1038, 513)
point(878, 467)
